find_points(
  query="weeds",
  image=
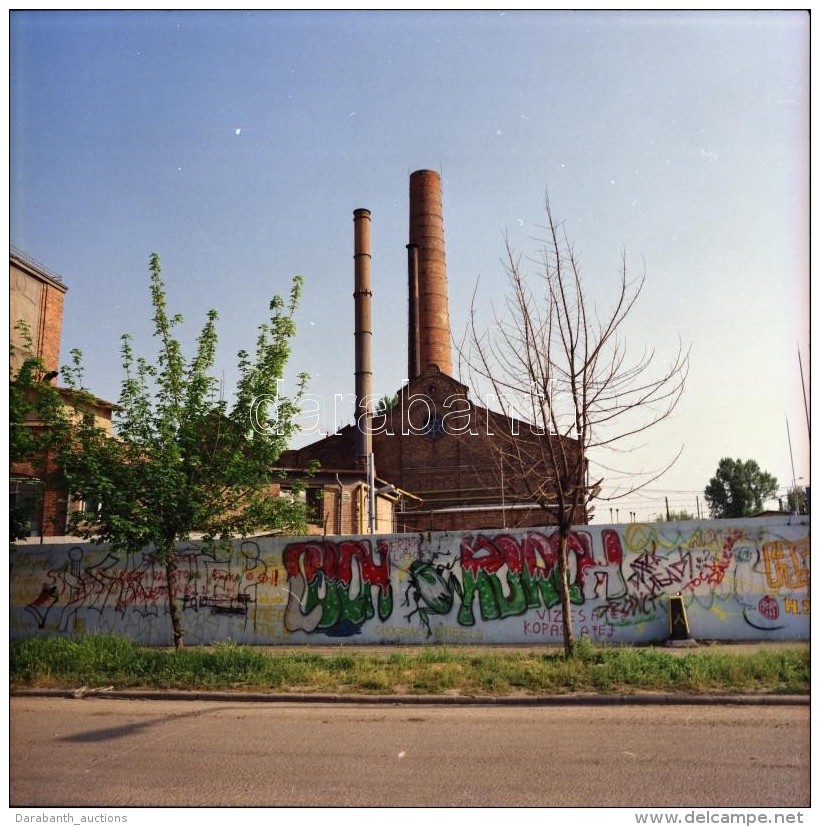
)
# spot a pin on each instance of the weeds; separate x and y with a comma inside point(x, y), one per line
point(107, 660)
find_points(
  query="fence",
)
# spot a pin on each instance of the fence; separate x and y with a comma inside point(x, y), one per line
point(738, 579)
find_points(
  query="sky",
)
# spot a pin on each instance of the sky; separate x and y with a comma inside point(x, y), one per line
point(236, 145)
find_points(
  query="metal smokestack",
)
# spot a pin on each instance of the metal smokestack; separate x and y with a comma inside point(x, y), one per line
point(427, 233)
point(363, 333)
point(413, 361)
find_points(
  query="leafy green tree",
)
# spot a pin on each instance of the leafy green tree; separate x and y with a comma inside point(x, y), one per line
point(33, 402)
point(797, 501)
point(738, 489)
point(183, 460)
point(385, 403)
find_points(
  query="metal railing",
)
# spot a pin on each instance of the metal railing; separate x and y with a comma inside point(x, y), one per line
point(37, 265)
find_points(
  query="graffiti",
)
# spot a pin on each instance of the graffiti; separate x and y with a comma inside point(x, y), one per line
point(629, 610)
point(404, 549)
point(698, 565)
point(796, 607)
point(548, 624)
point(786, 564)
point(331, 586)
point(42, 604)
point(504, 576)
point(512, 575)
point(138, 585)
point(737, 580)
point(680, 568)
point(607, 575)
point(433, 588)
point(768, 608)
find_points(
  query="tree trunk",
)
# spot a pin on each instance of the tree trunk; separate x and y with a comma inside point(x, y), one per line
point(171, 567)
point(563, 594)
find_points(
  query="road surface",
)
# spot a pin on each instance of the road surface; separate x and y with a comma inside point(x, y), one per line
point(102, 752)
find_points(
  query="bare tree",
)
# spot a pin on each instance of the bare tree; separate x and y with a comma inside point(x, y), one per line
point(552, 360)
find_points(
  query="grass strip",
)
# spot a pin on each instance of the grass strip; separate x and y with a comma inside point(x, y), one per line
point(108, 660)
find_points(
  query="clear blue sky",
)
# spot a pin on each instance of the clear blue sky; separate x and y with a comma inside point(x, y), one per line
point(237, 145)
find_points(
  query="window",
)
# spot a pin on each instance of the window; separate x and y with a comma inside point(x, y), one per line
point(315, 505)
point(26, 501)
point(312, 498)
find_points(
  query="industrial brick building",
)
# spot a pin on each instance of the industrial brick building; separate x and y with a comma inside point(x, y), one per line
point(36, 296)
point(447, 462)
point(434, 460)
point(36, 299)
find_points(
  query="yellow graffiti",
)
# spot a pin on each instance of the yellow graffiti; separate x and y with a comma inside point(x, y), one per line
point(639, 536)
point(793, 606)
point(787, 564)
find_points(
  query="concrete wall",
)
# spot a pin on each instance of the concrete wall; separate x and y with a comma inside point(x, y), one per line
point(740, 580)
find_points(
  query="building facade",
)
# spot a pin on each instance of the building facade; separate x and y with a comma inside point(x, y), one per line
point(36, 296)
point(36, 300)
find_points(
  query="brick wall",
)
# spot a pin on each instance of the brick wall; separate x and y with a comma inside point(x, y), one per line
point(51, 326)
point(36, 299)
point(439, 446)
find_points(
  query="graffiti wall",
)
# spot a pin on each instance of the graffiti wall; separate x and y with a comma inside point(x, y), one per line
point(739, 580)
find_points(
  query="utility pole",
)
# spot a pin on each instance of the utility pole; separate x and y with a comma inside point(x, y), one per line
point(503, 503)
point(805, 400)
point(794, 479)
point(371, 495)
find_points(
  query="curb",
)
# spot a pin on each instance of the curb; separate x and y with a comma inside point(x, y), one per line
point(647, 699)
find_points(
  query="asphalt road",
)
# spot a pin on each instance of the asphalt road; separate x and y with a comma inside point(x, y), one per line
point(101, 752)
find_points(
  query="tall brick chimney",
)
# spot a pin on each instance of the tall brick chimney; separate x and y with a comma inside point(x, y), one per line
point(429, 327)
point(413, 355)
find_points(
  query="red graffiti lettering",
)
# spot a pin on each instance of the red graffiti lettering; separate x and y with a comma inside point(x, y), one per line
point(534, 552)
point(335, 561)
